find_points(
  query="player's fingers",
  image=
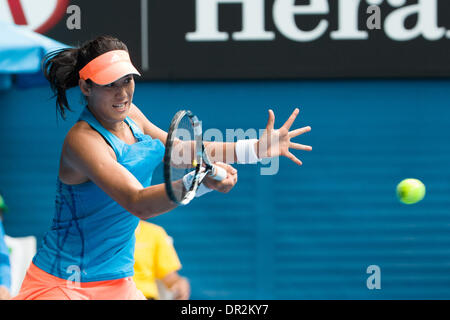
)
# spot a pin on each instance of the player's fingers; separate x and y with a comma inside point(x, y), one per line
point(271, 120)
point(225, 185)
point(234, 178)
point(297, 132)
point(298, 146)
point(231, 170)
point(231, 180)
point(227, 167)
point(294, 158)
point(291, 119)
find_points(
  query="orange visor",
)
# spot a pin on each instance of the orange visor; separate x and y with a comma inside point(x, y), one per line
point(108, 67)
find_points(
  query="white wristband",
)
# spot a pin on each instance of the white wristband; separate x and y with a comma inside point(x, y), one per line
point(245, 151)
point(187, 181)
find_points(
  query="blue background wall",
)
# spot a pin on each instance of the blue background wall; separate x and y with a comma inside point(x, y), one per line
point(308, 232)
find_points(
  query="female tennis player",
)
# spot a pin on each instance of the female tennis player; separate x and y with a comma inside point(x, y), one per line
point(103, 187)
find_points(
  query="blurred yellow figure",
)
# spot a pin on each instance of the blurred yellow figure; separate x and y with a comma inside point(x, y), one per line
point(156, 259)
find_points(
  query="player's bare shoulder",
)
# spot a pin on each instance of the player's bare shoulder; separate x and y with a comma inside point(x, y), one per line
point(83, 138)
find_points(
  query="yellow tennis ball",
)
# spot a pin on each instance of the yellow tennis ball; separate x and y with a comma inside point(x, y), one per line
point(410, 191)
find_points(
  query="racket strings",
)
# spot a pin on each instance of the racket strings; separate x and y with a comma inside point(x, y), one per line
point(182, 155)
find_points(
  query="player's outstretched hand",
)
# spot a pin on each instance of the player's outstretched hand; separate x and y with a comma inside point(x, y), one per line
point(226, 184)
point(277, 142)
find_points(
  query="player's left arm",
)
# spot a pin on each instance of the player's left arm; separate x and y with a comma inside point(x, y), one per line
point(272, 143)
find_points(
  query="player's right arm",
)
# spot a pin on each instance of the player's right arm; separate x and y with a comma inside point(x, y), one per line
point(86, 152)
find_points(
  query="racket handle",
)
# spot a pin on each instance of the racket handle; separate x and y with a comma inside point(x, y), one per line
point(218, 173)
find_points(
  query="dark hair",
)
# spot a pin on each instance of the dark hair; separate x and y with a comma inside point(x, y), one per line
point(61, 67)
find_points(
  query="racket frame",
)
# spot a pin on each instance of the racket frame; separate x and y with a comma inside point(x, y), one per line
point(203, 163)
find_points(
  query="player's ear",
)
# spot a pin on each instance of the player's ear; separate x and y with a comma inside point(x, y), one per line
point(85, 87)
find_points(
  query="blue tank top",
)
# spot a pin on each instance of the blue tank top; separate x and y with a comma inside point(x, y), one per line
point(92, 236)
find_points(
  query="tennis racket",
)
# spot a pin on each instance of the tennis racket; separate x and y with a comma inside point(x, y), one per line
point(185, 155)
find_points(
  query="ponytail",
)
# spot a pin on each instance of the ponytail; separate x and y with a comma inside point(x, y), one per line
point(60, 69)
